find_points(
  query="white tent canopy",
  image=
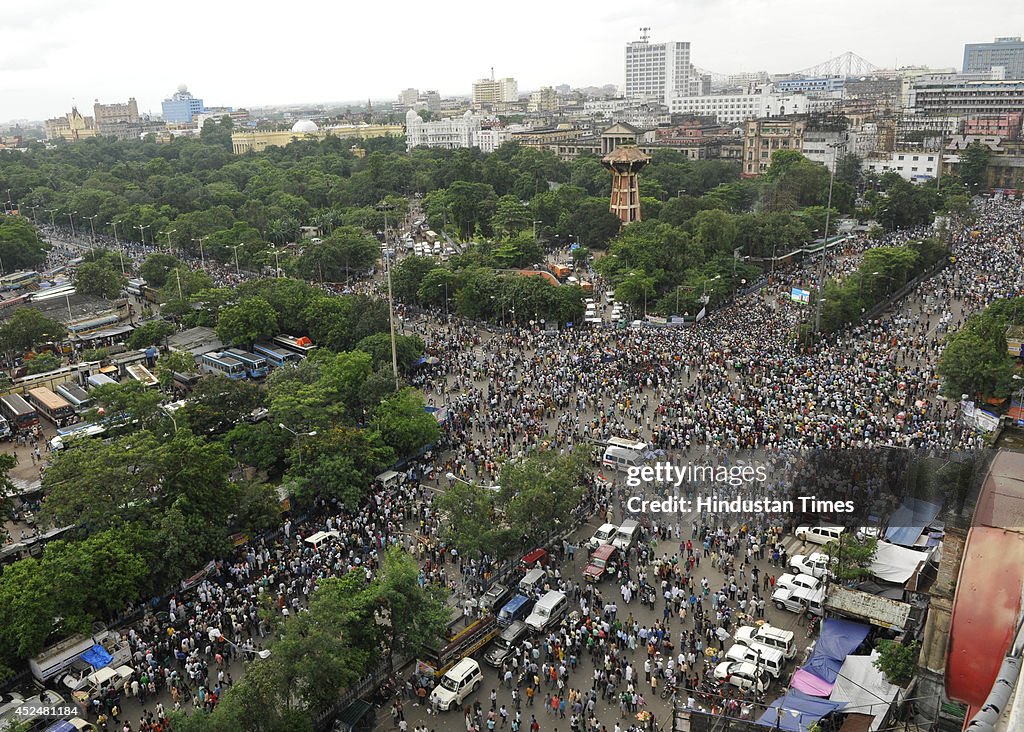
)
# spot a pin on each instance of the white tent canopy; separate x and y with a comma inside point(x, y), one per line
point(864, 688)
point(896, 564)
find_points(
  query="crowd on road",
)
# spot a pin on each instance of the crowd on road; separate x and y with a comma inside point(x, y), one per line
point(735, 380)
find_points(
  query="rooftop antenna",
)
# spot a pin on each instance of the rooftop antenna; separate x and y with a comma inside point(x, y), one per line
point(645, 34)
point(492, 73)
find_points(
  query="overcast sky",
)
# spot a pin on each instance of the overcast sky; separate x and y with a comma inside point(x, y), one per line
point(258, 52)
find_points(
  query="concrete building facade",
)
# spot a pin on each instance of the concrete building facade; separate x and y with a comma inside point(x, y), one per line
point(762, 137)
point(658, 71)
point(916, 166)
point(1008, 53)
point(735, 108)
point(72, 126)
point(495, 92)
point(181, 107)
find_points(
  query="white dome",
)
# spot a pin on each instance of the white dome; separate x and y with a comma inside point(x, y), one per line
point(305, 125)
point(411, 116)
point(182, 88)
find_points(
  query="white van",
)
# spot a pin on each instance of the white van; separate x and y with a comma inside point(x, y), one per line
point(549, 609)
point(532, 581)
point(627, 535)
point(621, 458)
point(768, 637)
point(769, 659)
point(800, 599)
point(819, 534)
point(458, 682)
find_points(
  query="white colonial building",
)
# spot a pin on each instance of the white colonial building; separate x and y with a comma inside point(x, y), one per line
point(733, 108)
point(451, 133)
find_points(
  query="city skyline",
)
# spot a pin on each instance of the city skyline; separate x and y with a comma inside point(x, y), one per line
point(59, 52)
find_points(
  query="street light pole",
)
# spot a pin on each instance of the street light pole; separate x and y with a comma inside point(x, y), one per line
point(142, 232)
point(172, 231)
point(286, 428)
point(234, 249)
point(71, 218)
point(92, 226)
point(824, 246)
point(277, 262)
point(52, 211)
point(385, 207)
point(202, 258)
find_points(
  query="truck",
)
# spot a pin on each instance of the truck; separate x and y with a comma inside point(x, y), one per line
point(58, 658)
point(560, 271)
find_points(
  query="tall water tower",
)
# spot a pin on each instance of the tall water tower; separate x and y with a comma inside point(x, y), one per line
point(625, 162)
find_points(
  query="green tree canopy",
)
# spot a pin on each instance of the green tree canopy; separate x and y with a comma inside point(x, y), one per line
point(403, 423)
point(252, 319)
point(27, 327)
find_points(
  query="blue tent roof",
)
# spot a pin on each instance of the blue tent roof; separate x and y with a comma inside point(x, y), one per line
point(796, 712)
point(910, 519)
point(839, 638)
point(61, 726)
point(97, 656)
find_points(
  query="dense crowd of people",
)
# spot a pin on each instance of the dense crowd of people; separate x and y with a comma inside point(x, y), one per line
point(735, 380)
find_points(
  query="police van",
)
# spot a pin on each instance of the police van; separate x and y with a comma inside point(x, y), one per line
point(623, 454)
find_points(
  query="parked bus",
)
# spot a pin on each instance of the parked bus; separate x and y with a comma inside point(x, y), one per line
point(18, 280)
point(134, 287)
point(276, 357)
point(151, 294)
point(18, 412)
point(55, 408)
point(185, 383)
point(255, 366)
point(142, 375)
point(301, 345)
point(100, 380)
point(216, 362)
point(76, 395)
point(68, 435)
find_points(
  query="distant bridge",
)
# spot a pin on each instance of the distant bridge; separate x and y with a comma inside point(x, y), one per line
point(845, 65)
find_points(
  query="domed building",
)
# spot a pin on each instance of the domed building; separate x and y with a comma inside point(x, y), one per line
point(305, 125)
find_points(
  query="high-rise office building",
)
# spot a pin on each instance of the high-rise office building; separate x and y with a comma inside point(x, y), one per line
point(659, 71)
point(181, 107)
point(491, 92)
point(980, 58)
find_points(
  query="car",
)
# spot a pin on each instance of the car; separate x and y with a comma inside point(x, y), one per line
point(602, 563)
point(743, 675)
point(538, 557)
point(602, 536)
point(458, 682)
point(819, 534)
point(507, 643)
point(792, 581)
point(799, 599)
point(816, 564)
point(495, 598)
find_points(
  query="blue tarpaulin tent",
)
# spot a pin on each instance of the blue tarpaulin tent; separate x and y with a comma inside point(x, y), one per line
point(62, 726)
point(97, 656)
point(909, 520)
point(839, 638)
point(796, 712)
